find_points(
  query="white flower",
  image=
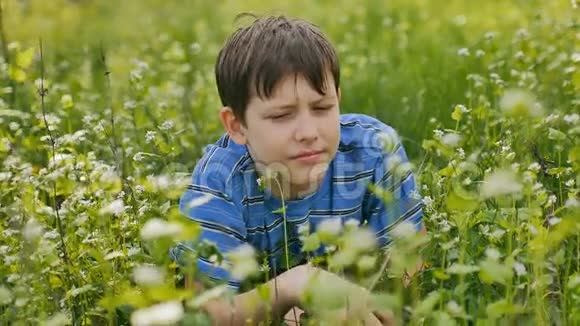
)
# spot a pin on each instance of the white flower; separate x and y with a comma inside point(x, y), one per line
point(551, 200)
point(208, 295)
point(360, 239)
point(517, 102)
point(32, 230)
point(5, 295)
point(572, 118)
point(403, 230)
point(501, 182)
point(148, 275)
point(554, 220)
point(167, 313)
point(243, 262)
point(138, 157)
point(116, 208)
point(535, 167)
point(150, 136)
point(388, 140)
point(572, 203)
point(520, 269)
point(156, 228)
point(492, 253)
point(166, 125)
point(59, 319)
point(114, 254)
point(451, 139)
point(331, 226)
point(463, 52)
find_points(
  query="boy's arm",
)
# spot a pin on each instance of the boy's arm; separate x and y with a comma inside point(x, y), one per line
point(250, 306)
point(292, 284)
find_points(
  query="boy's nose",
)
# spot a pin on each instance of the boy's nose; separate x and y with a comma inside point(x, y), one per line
point(306, 130)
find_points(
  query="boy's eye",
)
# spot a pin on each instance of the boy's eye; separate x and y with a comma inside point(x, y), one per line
point(279, 116)
point(323, 108)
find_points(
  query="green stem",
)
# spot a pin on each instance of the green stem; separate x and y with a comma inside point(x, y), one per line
point(286, 254)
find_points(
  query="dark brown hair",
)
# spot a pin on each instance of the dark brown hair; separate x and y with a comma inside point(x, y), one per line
point(256, 57)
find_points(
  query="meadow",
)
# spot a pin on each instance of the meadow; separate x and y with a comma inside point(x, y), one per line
point(105, 107)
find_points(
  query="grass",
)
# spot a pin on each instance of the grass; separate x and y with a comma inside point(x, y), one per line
point(130, 103)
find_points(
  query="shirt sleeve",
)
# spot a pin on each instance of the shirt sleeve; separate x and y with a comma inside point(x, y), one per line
point(393, 174)
point(220, 220)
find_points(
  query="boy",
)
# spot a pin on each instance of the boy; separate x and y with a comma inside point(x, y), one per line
point(278, 80)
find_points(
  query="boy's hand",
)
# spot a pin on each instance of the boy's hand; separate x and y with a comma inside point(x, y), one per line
point(300, 277)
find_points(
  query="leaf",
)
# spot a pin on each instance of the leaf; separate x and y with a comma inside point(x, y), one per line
point(493, 271)
point(555, 134)
point(439, 274)
point(24, 58)
point(426, 306)
point(458, 203)
point(16, 73)
point(457, 113)
point(503, 307)
point(461, 269)
point(311, 243)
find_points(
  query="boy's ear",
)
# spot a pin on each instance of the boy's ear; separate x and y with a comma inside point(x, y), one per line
point(233, 125)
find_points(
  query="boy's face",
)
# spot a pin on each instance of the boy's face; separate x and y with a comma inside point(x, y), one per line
point(295, 132)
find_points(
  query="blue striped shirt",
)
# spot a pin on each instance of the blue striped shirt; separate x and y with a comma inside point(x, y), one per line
point(239, 212)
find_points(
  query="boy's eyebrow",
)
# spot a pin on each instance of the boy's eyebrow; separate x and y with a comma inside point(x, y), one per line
point(293, 104)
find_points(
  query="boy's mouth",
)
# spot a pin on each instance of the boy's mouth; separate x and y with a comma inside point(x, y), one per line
point(308, 156)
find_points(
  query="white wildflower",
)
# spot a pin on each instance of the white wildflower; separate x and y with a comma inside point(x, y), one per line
point(554, 220)
point(520, 269)
point(552, 117)
point(572, 203)
point(438, 133)
point(570, 183)
point(463, 52)
point(361, 239)
point(5, 295)
point(148, 275)
point(58, 319)
point(166, 125)
point(156, 228)
point(114, 254)
point(451, 139)
point(116, 208)
point(499, 183)
point(243, 262)
point(497, 233)
point(208, 295)
point(31, 231)
point(388, 140)
point(167, 313)
point(572, 118)
point(138, 157)
point(403, 230)
point(517, 102)
point(331, 226)
point(492, 253)
point(535, 167)
point(150, 136)
point(551, 200)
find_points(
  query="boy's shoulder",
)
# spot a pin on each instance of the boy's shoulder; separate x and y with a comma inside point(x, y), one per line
point(220, 161)
point(366, 135)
